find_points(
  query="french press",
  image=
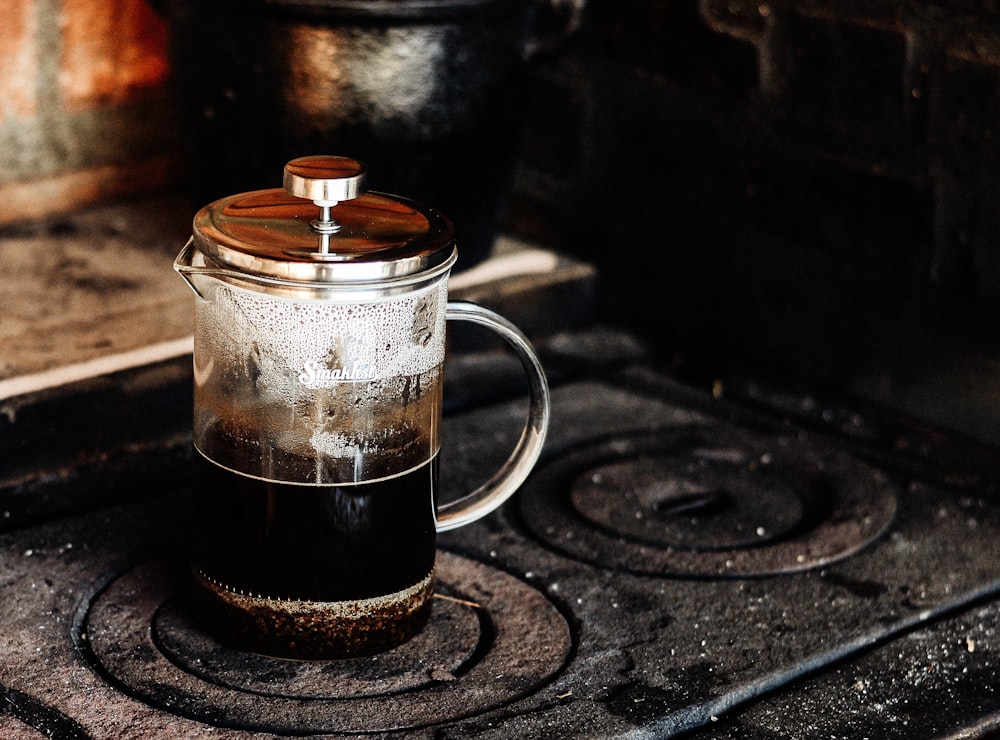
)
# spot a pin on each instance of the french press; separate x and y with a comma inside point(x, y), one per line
point(318, 379)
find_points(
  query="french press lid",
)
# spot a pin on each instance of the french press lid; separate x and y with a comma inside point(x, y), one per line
point(324, 228)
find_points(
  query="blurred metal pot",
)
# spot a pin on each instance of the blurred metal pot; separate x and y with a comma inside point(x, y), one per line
point(428, 93)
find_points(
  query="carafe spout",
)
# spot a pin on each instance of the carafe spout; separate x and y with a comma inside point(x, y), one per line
point(185, 267)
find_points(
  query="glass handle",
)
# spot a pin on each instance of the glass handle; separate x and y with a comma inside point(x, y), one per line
point(515, 470)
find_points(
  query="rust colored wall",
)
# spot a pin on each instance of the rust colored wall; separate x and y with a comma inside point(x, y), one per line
point(85, 113)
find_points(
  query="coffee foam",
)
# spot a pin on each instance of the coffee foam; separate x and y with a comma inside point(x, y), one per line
point(323, 344)
point(252, 354)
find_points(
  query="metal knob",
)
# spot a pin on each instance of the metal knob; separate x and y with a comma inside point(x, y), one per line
point(326, 181)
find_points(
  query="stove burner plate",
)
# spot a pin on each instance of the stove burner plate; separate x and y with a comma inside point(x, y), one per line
point(707, 502)
point(491, 640)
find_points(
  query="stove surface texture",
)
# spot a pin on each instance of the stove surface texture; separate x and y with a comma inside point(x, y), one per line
point(676, 565)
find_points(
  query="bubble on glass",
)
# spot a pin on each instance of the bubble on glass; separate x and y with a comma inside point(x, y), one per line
point(315, 391)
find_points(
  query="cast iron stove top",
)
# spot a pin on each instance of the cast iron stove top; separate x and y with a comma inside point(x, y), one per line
point(677, 564)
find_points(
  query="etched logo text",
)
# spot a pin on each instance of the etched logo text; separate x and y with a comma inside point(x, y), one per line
point(316, 373)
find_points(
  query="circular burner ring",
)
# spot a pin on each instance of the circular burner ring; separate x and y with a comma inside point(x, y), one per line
point(683, 502)
point(491, 639)
point(706, 499)
point(443, 651)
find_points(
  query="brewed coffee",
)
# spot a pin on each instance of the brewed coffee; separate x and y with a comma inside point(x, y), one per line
point(313, 543)
point(313, 571)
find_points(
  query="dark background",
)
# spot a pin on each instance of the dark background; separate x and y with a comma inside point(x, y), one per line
point(801, 192)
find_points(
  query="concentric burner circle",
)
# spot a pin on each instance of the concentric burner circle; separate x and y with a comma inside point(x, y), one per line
point(707, 502)
point(491, 639)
